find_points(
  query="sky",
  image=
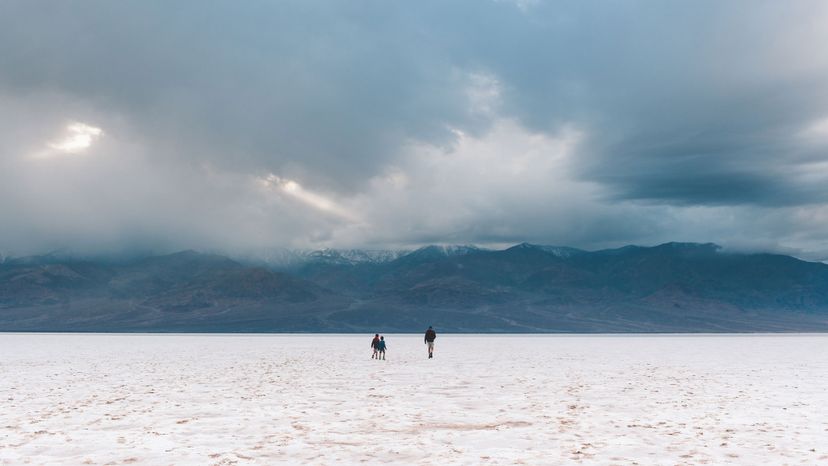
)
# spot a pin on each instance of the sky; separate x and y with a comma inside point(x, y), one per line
point(240, 127)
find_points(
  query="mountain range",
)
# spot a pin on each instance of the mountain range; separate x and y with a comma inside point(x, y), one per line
point(673, 287)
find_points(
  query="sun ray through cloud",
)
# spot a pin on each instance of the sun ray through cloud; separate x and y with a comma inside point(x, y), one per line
point(296, 191)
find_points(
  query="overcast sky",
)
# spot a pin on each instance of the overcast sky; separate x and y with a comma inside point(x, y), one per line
point(243, 126)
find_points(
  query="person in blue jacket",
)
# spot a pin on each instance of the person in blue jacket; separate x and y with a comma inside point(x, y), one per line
point(381, 348)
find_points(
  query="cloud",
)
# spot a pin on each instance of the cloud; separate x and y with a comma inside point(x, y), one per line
point(380, 123)
point(76, 138)
point(312, 199)
point(508, 183)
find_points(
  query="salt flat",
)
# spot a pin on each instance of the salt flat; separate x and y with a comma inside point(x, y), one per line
point(286, 399)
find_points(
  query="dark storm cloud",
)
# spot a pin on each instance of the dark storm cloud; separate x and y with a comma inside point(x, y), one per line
point(678, 106)
point(323, 89)
point(330, 90)
point(708, 170)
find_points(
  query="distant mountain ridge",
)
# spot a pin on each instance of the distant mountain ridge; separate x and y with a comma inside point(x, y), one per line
point(287, 258)
point(673, 287)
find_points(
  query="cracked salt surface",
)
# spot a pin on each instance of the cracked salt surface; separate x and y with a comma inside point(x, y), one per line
point(321, 399)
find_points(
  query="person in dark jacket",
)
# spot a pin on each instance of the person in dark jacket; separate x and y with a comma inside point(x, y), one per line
point(430, 336)
point(374, 344)
point(381, 348)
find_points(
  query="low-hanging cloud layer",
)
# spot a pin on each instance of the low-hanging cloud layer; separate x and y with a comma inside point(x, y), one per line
point(243, 126)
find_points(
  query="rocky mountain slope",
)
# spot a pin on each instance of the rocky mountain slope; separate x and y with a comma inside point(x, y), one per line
point(674, 287)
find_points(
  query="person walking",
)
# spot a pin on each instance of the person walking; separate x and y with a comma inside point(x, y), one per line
point(381, 348)
point(374, 344)
point(430, 336)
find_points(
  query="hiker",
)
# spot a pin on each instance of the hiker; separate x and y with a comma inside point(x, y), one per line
point(381, 348)
point(374, 344)
point(430, 336)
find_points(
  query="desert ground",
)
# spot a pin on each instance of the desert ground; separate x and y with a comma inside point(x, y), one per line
point(483, 399)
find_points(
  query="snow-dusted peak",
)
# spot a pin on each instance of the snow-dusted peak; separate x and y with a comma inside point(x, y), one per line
point(450, 249)
point(289, 258)
point(559, 251)
point(354, 256)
